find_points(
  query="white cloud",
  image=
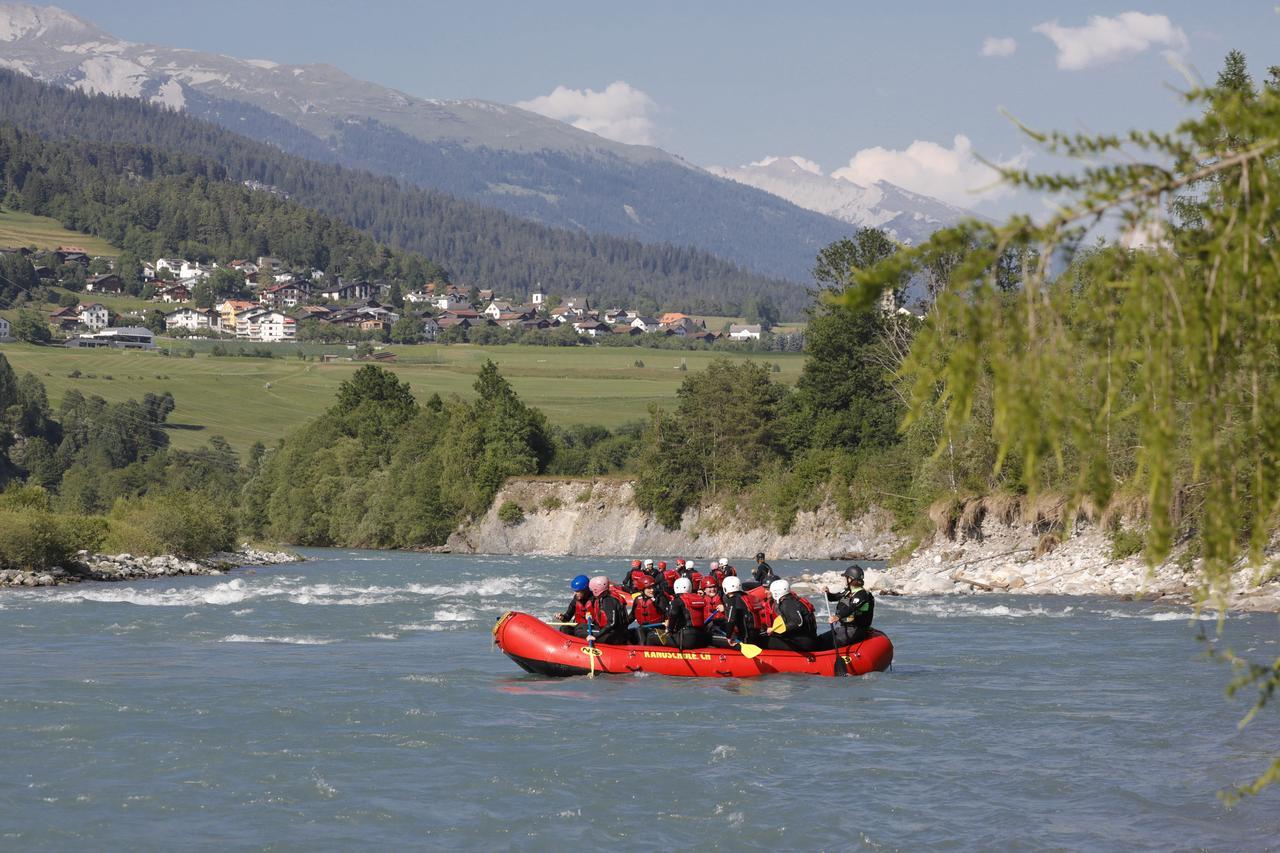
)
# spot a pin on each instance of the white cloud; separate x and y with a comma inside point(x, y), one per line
point(803, 162)
point(1104, 40)
point(992, 46)
point(951, 174)
point(621, 112)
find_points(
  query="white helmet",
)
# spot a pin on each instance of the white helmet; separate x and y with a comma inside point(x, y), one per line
point(724, 561)
point(779, 588)
point(731, 584)
point(682, 585)
point(690, 565)
point(648, 564)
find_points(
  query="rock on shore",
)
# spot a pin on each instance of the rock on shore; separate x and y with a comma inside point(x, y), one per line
point(124, 567)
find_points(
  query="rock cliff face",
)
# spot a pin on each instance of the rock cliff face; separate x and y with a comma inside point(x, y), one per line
point(994, 555)
point(590, 519)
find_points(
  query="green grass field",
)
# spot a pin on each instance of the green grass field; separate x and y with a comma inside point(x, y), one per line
point(250, 399)
point(23, 229)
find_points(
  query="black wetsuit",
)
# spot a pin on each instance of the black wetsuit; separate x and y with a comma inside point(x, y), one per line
point(854, 612)
point(739, 622)
point(578, 629)
point(763, 574)
point(612, 615)
point(680, 633)
point(802, 629)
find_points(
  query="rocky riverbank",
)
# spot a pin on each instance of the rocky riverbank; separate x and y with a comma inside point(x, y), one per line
point(124, 567)
point(993, 552)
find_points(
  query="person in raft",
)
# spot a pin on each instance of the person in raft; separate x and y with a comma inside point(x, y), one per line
point(629, 579)
point(799, 628)
point(763, 573)
point(715, 604)
point(739, 622)
point(687, 618)
point(609, 614)
point(579, 607)
point(649, 612)
point(855, 608)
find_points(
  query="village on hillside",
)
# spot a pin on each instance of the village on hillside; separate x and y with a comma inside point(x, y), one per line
point(262, 300)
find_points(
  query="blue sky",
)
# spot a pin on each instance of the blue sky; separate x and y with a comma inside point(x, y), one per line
point(731, 82)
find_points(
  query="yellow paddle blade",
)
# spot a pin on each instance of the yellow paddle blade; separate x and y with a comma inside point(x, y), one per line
point(748, 650)
point(779, 625)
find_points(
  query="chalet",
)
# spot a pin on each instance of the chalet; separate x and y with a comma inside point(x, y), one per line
point(285, 294)
point(70, 255)
point(174, 293)
point(617, 316)
point(451, 301)
point(193, 272)
point(374, 324)
point(485, 295)
point(704, 336)
point(627, 330)
point(65, 319)
point(534, 323)
point(5, 329)
point(344, 291)
point(646, 324)
point(123, 337)
point(672, 317)
point(105, 283)
point(243, 267)
point(749, 332)
point(497, 309)
point(430, 328)
point(228, 309)
point(511, 319)
point(684, 326)
point(593, 328)
point(266, 263)
point(94, 316)
point(313, 312)
point(172, 265)
point(415, 297)
point(193, 319)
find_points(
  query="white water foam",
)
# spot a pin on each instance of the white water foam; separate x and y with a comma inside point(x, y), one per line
point(486, 587)
point(422, 626)
point(291, 641)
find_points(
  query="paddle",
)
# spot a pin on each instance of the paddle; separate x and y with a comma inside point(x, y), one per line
point(841, 669)
point(591, 649)
point(749, 650)
point(779, 625)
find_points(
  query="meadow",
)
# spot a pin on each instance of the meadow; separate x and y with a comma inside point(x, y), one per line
point(259, 399)
point(23, 229)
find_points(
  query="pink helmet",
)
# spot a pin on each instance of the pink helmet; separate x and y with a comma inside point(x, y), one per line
point(599, 585)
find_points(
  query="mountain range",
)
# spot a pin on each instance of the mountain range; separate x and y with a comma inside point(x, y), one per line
point(499, 155)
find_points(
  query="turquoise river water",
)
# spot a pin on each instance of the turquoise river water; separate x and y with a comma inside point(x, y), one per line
point(355, 702)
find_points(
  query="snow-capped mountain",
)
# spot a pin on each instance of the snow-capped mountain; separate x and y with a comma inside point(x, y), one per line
point(908, 216)
point(496, 154)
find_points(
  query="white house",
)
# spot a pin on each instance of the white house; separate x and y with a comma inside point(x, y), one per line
point(276, 326)
point(189, 271)
point(193, 319)
point(497, 309)
point(646, 324)
point(750, 332)
point(414, 297)
point(173, 265)
point(4, 329)
point(249, 323)
point(94, 317)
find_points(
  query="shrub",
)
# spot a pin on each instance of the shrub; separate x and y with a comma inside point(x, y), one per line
point(637, 363)
point(584, 495)
point(551, 503)
point(75, 374)
point(188, 524)
point(510, 513)
point(1126, 543)
point(33, 539)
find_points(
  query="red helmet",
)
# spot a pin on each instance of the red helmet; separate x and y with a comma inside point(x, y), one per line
point(709, 582)
point(635, 564)
point(680, 562)
point(662, 565)
point(643, 582)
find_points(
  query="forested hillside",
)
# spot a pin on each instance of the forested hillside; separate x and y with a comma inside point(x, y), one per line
point(151, 203)
point(477, 245)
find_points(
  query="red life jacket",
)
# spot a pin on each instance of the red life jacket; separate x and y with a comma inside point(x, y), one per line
point(597, 613)
point(636, 574)
point(718, 575)
point(696, 606)
point(761, 606)
point(696, 578)
point(581, 609)
point(671, 576)
point(647, 611)
point(806, 602)
point(713, 601)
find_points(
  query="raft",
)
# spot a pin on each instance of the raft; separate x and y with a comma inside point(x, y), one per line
point(541, 649)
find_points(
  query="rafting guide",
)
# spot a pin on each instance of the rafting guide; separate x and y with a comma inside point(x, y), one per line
point(684, 622)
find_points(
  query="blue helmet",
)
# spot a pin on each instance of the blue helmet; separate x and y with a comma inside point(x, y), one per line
point(579, 583)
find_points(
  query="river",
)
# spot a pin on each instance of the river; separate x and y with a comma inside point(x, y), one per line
point(355, 702)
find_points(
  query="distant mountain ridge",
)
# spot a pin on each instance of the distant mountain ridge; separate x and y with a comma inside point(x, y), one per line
point(499, 155)
point(909, 217)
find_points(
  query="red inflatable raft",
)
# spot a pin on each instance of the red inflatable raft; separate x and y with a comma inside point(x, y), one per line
point(541, 649)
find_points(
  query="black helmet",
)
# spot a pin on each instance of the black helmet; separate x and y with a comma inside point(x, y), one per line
point(760, 555)
point(854, 573)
